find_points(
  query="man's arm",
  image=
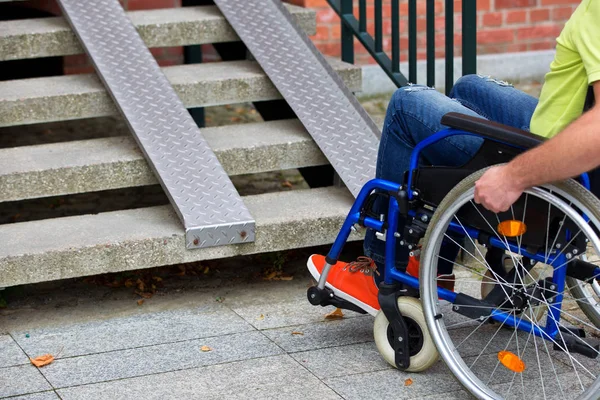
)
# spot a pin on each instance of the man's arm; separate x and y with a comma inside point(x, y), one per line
point(573, 151)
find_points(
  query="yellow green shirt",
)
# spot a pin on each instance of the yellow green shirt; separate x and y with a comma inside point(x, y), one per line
point(576, 65)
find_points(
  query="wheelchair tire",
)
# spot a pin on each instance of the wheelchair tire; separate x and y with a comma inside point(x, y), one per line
point(489, 360)
point(425, 353)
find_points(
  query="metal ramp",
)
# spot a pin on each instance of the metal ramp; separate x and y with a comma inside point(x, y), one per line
point(199, 189)
point(329, 111)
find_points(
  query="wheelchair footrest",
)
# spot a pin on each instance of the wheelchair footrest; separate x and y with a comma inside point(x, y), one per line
point(574, 343)
point(325, 297)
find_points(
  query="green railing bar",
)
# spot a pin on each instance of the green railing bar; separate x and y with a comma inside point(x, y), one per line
point(378, 26)
point(352, 24)
point(469, 37)
point(430, 43)
point(449, 45)
point(347, 37)
point(362, 15)
point(412, 41)
point(395, 36)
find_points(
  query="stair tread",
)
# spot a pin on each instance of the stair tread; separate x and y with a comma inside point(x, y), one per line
point(69, 247)
point(28, 101)
point(45, 37)
point(116, 162)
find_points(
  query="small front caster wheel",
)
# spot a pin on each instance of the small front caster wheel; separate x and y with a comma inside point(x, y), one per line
point(423, 353)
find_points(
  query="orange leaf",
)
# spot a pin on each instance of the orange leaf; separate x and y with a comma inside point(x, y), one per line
point(297, 333)
point(408, 382)
point(140, 302)
point(205, 348)
point(287, 184)
point(42, 360)
point(335, 314)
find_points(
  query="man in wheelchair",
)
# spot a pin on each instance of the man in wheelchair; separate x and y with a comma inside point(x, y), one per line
point(520, 237)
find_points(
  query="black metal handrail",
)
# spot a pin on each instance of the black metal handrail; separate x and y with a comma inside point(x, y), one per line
point(352, 27)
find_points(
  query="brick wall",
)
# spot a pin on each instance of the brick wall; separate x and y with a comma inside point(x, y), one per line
point(503, 26)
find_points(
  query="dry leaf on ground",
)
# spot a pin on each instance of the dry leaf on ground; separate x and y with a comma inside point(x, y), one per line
point(42, 360)
point(140, 302)
point(287, 184)
point(205, 348)
point(335, 314)
point(408, 382)
point(297, 333)
point(261, 317)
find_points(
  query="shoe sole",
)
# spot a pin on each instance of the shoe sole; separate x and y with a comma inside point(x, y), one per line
point(343, 295)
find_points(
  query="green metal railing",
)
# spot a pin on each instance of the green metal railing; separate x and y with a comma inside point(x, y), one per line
point(353, 27)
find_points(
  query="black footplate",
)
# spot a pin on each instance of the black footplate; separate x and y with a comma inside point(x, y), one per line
point(572, 339)
point(325, 297)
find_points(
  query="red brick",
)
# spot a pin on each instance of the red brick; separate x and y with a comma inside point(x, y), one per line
point(492, 19)
point(561, 13)
point(502, 4)
point(539, 15)
point(149, 4)
point(495, 36)
point(559, 2)
point(516, 17)
point(537, 32)
point(327, 16)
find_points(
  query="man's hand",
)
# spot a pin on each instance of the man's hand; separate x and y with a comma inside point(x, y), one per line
point(496, 190)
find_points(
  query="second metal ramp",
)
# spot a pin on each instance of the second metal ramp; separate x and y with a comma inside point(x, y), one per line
point(329, 111)
point(198, 187)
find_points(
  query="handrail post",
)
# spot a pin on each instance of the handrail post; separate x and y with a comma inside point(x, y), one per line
point(347, 36)
point(469, 37)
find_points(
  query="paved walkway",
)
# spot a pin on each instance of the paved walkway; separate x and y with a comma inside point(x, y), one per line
point(266, 342)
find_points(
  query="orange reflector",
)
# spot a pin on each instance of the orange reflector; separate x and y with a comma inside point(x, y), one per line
point(511, 361)
point(512, 228)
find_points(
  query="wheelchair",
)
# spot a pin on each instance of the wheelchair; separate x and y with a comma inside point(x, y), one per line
point(523, 316)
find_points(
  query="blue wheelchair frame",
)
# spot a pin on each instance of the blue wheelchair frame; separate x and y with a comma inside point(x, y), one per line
point(392, 275)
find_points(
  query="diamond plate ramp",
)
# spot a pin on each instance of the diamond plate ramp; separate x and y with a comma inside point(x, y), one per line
point(329, 111)
point(199, 189)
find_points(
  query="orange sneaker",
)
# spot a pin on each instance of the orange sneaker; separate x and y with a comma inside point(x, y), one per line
point(352, 281)
point(445, 281)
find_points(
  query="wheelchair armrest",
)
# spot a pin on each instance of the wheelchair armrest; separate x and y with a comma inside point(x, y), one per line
point(492, 130)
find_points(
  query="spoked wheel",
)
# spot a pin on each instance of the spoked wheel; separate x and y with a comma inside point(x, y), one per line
point(423, 353)
point(519, 332)
point(587, 295)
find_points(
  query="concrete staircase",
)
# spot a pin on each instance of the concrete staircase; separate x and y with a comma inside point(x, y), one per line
point(67, 247)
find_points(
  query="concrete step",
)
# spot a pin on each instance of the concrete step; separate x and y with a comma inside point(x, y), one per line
point(116, 162)
point(45, 37)
point(61, 248)
point(30, 101)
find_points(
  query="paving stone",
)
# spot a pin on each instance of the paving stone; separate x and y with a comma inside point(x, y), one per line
point(10, 353)
point(268, 378)
point(324, 334)
point(22, 379)
point(38, 396)
point(391, 384)
point(342, 360)
point(298, 311)
point(156, 359)
point(134, 331)
point(532, 389)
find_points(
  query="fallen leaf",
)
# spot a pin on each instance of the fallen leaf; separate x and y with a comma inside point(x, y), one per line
point(335, 314)
point(287, 184)
point(205, 348)
point(286, 278)
point(270, 276)
point(206, 270)
point(297, 333)
point(408, 382)
point(140, 302)
point(157, 278)
point(129, 283)
point(261, 317)
point(42, 360)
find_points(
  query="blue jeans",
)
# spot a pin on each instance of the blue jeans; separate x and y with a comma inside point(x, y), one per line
point(414, 113)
